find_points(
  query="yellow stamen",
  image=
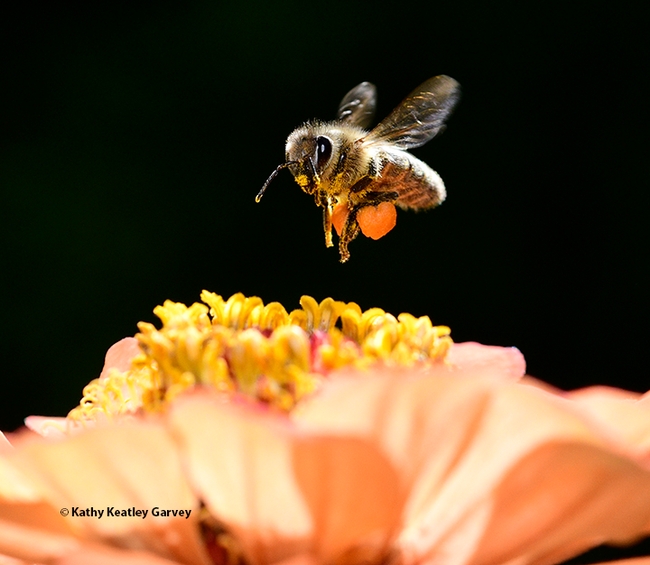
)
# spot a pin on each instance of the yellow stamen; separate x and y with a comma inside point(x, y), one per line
point(241, 346)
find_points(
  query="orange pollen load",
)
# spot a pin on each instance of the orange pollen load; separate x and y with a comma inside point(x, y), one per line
point(339, 215)
point(377, 221)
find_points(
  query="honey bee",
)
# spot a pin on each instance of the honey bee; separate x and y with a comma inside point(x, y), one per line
point(359, 176)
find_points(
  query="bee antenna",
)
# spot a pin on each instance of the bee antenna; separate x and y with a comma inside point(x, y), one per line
point(273, 175)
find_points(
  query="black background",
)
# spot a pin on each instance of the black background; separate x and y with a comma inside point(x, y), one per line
point(133, 141)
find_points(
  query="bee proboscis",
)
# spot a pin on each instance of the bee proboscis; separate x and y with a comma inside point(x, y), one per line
point(359, 176)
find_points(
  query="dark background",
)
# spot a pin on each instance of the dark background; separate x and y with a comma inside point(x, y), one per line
point(133, 141)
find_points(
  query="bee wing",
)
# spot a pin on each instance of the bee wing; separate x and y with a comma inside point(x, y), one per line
point(358, 105)
point(420, 116)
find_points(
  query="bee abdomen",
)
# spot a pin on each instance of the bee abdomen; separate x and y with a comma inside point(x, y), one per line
point(418, 186)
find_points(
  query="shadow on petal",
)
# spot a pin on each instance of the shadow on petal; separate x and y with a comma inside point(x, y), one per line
point(354, 495)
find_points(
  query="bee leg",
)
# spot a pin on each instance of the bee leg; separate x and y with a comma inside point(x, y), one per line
point(351, 227)
point(324, 202)
point(349, 232)
point(327, 224)
point(361, 185)
point(374, 199)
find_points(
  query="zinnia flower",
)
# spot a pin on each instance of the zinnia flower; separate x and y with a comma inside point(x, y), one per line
point(329, 436)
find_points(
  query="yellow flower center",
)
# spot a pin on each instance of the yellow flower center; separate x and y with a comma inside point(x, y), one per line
point(241, 346)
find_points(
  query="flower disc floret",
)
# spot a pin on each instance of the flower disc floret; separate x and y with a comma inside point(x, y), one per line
point(240, 346)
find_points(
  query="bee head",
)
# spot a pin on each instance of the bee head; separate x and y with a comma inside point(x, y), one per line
point(311, 154)
point(308, 155)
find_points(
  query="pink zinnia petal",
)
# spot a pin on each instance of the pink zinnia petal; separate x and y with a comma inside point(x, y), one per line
point(119, 466)
point(48, 427)
point(631, 561)
point(506, 363)
point(34, 532)
point(92, 554)
point(497, 472)
point(624, 414)
point(283, 493)
point(118, 357)
point(120, 354)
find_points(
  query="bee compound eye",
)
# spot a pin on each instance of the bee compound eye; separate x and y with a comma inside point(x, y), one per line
point(323, 151)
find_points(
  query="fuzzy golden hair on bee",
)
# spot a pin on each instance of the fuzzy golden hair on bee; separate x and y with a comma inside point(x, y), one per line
point(359, 176)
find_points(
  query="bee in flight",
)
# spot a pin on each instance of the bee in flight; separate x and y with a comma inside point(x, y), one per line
point(358, 177)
